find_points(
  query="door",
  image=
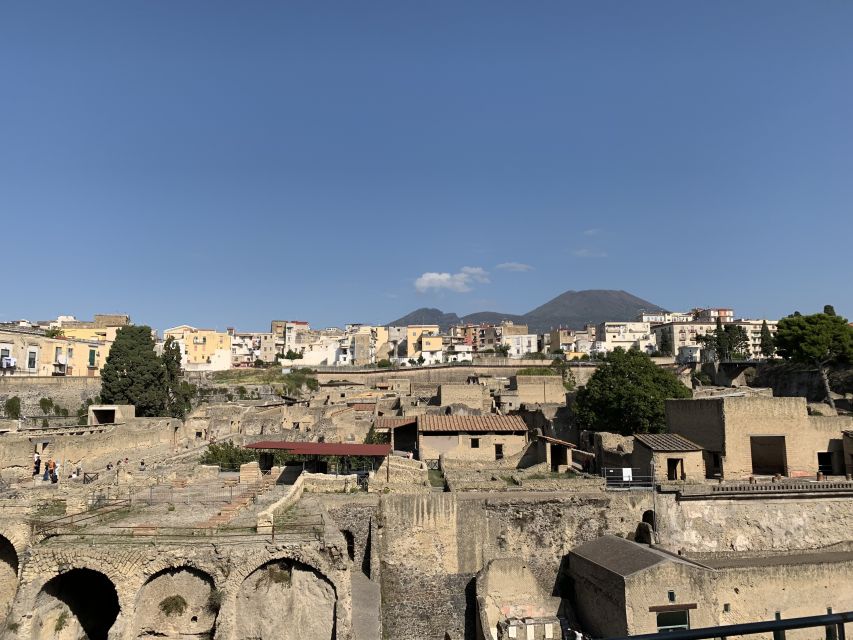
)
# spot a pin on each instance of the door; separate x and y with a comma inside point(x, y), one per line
point(499, 452)
point(824, 462)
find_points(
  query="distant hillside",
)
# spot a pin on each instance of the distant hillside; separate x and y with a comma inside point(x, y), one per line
point(425, 315)
point(570, 309)
point(576, 308)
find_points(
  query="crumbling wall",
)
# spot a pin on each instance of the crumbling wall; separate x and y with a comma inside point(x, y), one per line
point(445, 539)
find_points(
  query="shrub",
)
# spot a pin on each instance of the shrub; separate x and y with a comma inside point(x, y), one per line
point(385, 363)
point(173, 605)
point(12, 407)
point(46, 405)
point(536, 371)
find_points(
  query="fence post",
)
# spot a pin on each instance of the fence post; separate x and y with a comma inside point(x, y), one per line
point(779, 634)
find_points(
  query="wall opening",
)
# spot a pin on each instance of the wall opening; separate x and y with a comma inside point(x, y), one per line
point(79, 603)
point(304, 600)
point(350, 538)
point(768, 455)
point(178, 602)
point(104, 416)
point(8, 575)
point(674, 469)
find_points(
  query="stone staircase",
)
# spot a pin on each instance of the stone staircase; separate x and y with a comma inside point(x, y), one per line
point(231, 509)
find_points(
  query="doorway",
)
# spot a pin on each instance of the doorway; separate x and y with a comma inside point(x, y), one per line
point(824, 462)
point(499, 452)
point(769, 456)
point(674, 468)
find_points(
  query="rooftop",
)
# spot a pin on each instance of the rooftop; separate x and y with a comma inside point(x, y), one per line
point(623, 557)
point(486, 423)
point(666, 442)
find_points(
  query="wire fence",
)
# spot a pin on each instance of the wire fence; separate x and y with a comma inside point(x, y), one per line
point(627, 478)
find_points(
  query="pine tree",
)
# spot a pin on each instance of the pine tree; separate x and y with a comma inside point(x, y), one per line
point(820, 339)
point(133, 374)
point(768, 344)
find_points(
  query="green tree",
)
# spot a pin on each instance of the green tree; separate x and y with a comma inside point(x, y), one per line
point(768, 343)
point(385, 363)
point(626, 394)
point(292, 355)
point(179, 393)
point(374, 437)
point(12, 407)
point(820, 340)
point(502, 350)
point(54, 332)
point(665, 347)
point(737, 342)
point(133, 374)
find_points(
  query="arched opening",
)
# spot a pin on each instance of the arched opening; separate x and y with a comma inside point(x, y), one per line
point(304, 602)
point(350, 538)
point(649, 518)
point(8, 576)
point(178, 602)
point(81, 603)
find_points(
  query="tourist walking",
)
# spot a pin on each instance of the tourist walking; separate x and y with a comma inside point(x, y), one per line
point(36, 464)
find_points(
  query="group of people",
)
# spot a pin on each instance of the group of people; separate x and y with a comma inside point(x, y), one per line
point(51, 468)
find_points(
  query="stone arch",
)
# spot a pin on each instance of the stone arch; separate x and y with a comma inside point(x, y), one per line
point(78, 603)
point(8, 576)
point(177, 602)
point(304, 599)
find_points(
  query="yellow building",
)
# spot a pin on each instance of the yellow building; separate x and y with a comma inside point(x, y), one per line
point(414, 333)
point(202, 349)
point(30, 352)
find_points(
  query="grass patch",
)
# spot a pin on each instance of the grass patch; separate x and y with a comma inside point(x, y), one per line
point(173, 605)
point(436, 478)
point(61, 621)
point(51, 508)
point(277, 574)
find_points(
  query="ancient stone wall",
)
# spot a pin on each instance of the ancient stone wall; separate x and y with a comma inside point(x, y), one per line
point(754, 524)
point(438, 375)
point(67, 392)
point(433, 545)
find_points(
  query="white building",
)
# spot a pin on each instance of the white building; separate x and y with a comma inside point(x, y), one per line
point(519, 345)
point(627, 335)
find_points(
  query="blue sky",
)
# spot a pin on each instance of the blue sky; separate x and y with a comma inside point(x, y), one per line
point(222, 163)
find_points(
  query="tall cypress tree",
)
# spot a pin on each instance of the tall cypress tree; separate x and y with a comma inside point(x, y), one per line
point(665, 343)
point(133, 374)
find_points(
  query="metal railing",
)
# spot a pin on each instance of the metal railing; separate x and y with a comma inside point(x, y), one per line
point(833, 624)
point(627, 478)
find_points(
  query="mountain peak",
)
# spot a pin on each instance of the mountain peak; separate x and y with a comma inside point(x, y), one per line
point(569, 309)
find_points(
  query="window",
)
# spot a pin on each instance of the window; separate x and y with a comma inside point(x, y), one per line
point(673, 621)
point(31, 360)
point(57, 354)
point(70, 353)
point(475, 443)
point(91, 357)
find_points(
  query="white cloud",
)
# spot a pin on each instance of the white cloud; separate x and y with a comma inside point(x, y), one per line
point(459, 282)
point(589, 253)
point(514, 266)
point(592, 232)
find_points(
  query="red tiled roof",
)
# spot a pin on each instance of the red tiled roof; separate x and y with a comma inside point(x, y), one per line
point(471, 423)
point(392, 422)
point(324, 448)
point(363, 406)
